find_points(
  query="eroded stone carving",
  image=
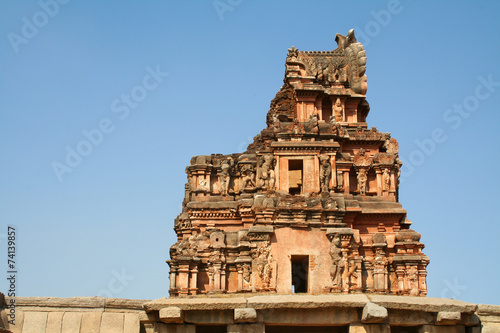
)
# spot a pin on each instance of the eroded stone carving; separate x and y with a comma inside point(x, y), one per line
point(362, 179)
point(386, 180)
point(338, 111)
point(225, 176)
point(267, 178)
point(325, 172)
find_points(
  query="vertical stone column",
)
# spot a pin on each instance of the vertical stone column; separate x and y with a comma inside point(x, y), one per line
point(333, 179)
point(173, 278)
point(347, 186)
point(283, 174)
point(223, 281)
point(193, 284)
point(392, 190)
point(422, 273)
point(378, 171)
point(216, 277)
point(240, 277)
point(183, 279)
point(400, 273)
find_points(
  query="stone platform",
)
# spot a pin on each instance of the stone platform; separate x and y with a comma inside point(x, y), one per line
point(362, 313)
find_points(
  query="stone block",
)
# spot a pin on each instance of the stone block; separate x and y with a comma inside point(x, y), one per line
point(448, 318)
point(35, 322)
point(307, 301)
point(245, 315)
point(410, 318)
point(490, 328)
point(91, 322)
point(246, 328)
point(373, 313)
point(54, 322)
point(19, 322)
point(131, 323)
point(171, 314)
point(207, 317)
point(71, 322)
point(197, 303)
point(312, 317)
point(112, 322)
point(442, 329)
point(428, 304)
point(369, 328)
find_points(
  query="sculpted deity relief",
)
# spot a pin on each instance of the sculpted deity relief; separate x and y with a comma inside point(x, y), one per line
point(386, 180)
point(247, 176)
point(325, 172)
point(362, 181)
point(338, 111)
point(267, 177)
point(225, 175)
point(338, 264)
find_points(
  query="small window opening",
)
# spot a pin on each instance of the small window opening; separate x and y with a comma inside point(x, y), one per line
point(300, 272)
point(295, 171)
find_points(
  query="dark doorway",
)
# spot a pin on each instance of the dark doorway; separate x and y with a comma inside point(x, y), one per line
point(211, 329)
point(306, 329)
point(326, 109)
point(295, 172)
point(300, 274)
point(405, 329)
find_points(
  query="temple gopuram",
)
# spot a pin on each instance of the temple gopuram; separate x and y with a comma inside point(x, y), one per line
point(301, 233)
point(311, 206)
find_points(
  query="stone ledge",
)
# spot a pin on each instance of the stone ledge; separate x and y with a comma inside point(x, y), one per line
point(79, 303)
point(307, 301)
point(488, 310)
point(427, 304)
point(228, 303)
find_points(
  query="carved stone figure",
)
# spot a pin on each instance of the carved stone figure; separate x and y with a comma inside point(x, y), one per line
point(225, 175)
point(265, 263)
point(248, 176)
point(338, 111)
point(247, 273)
point(340, 180)
point(386, 180)
point(276, 123)
point(267, 178)
point(413, 280)
point(325, 172)
point(391, 145)
point(337, 263)
point(311, 126)
point(267, 272)
point(202, 184)
point(362, 179)
point(380, 271)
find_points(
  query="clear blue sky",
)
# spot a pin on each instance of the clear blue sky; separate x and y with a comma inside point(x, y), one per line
point(105, 225)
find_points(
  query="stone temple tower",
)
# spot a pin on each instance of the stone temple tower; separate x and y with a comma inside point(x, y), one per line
point(311, 206)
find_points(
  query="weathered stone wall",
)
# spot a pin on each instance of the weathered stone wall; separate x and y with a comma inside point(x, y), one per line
point(362, 313)
point(75, 315)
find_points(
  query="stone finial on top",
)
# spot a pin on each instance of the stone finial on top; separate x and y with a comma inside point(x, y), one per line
point(293, 52)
